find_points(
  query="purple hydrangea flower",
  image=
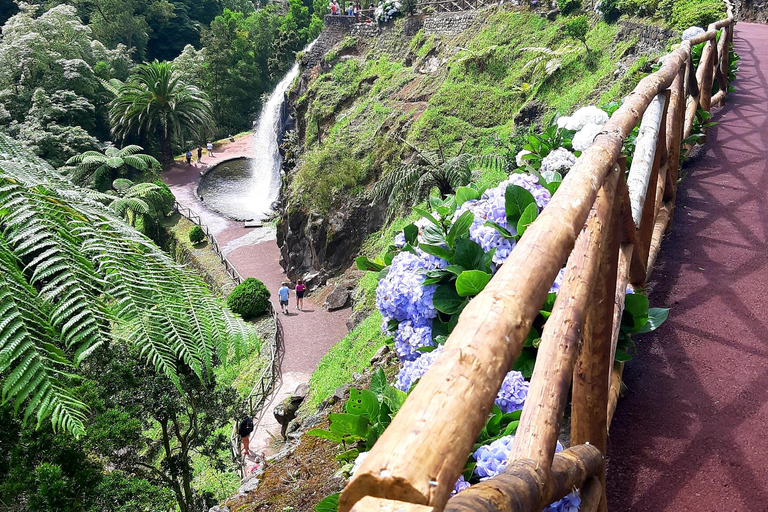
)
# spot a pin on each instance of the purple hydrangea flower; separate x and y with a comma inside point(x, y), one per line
point(401, 296)
point(555, 288)
point(399, 240)
point(461, 485)
point(491, 207)
point(492, 458)
point(570, 503)
point(513, 392)
point(409, 337)
point(414, 370)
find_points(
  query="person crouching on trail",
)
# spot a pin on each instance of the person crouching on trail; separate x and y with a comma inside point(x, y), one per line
point(283, 293)
point(245, 429)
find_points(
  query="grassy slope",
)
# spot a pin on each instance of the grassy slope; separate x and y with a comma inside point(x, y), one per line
point(472, 100)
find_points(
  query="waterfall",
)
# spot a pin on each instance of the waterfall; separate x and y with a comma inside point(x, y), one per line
point(265, 164)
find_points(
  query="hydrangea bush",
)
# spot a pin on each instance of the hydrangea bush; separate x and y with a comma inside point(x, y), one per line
point(387, 10)
point(437, 264)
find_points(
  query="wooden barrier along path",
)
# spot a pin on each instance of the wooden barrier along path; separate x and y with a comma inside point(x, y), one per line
point(608, 233)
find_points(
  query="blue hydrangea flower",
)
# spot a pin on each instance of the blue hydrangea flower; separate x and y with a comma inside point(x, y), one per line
point(460, 485)
point(414, 370)
point(409, 337)
point(555, 288)
point(401, 296)
point(400, 240)
point(491, 207)
point(513, 392)
point(570, 503)
point(492, 458)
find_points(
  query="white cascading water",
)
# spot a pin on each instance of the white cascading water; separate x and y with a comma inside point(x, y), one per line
point(264, 167)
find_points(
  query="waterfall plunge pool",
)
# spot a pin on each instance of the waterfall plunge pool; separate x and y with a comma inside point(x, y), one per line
point(228, 188)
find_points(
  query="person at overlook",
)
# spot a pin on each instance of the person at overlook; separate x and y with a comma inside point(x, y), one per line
point(245, 428)
point(334, 7)
point(351, 10)
point(199, 153)
point(358, 10)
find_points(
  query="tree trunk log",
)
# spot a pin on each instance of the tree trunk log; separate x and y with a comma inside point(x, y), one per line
point(645, 154)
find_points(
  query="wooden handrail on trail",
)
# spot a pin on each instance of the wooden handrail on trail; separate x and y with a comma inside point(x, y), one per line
point(610, 232)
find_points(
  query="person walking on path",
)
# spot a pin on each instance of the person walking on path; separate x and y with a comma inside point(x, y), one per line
point(245, 429)
point(301, 288)
point(209, 147)
point(189, 157)
point(283, 293)
point(199, 153)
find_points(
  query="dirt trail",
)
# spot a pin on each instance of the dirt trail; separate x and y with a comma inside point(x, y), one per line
point(692, 430)
point(253, 251)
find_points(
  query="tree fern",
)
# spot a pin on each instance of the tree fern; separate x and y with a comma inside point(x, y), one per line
point(73, 275)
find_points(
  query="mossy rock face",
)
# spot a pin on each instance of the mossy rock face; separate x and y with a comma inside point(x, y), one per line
point(249, 299)
point(196, 235)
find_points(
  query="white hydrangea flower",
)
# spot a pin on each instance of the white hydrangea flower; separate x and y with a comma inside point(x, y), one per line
point(583, 117)
point(359, 462)
point(692, 32)
point(560, 160)
point(586, 136)
point(519, 157)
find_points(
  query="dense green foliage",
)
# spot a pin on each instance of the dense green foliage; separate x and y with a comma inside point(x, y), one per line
point(566, 6)
point(679, 14)
point(95, 169)
point(196, 235)
point(249, 299)
point(74, 277)
point(577, 28)
point(156, 103)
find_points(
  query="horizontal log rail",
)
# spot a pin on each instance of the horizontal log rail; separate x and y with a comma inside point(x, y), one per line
point(607, 231)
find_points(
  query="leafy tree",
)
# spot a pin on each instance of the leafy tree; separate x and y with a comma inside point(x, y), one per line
point(154, 102)
point(147, 427)
point(94, 166)
point(74, 276)
point(410, 183)
point(50, 97)
point(140, 201)
point(577, 28)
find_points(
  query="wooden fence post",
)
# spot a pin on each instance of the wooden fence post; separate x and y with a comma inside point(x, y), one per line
point(589, 416)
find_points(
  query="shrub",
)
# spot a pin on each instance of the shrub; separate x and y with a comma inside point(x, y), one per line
point(639, 7)
point(567, 6)
point(166, 196)
point(577, 28)
point(196, 235)
point(249, 299)
point(609, 9)
point(682, 14)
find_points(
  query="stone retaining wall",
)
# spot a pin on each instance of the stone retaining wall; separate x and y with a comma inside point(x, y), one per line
point(649, 36)
point(449, 23)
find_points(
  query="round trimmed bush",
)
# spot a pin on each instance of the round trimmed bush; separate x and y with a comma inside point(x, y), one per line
point(249, 299)
point(196, 235)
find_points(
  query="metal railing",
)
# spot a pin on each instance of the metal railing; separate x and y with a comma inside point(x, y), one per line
point(195, 219)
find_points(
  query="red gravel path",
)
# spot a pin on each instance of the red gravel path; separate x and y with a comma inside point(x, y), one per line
point(691, 432)
point(254, 253)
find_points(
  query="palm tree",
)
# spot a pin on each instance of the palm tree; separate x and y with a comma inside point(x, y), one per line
point(111, 163)
point(74, 276)
point(156, 102)
point(410, 183)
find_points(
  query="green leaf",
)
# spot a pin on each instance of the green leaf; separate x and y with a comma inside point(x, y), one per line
point(424, 213)
point(388, 257)
point(635, 313)
point(460, 227)
point(455, 269)
point(656, 317)
point(384, 272)
point(348, 455)
point(511, 428)
point(501, 229)
point(464, 194)
point(374, 434)
point(394, 399)
point(433, 235)
point(622, 356)
point(446, 300)
point(325, 434)
point(471, 282)
point(378, 383)
point(516, 199)
point(467, 253)
point(349, 424)
point(411, 233)
point(329, 504)
point(526, 219)
point(363, 402)
point(437, 251)
point(525, 363)
point(364, 263)
point(486, 261)
point(553, 186)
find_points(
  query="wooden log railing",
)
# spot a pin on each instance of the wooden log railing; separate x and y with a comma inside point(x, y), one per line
point(608, 232)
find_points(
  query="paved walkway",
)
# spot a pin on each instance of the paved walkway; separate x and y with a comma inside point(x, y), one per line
point(692, 431)
point(253, 251)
